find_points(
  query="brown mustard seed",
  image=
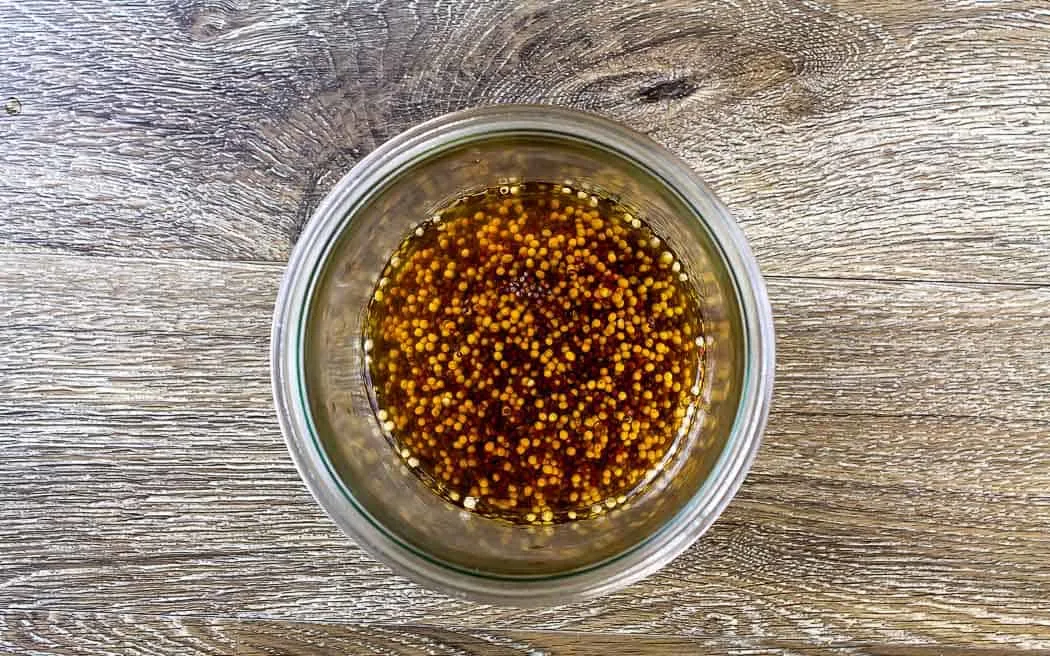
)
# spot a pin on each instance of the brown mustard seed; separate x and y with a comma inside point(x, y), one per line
point(534, 353)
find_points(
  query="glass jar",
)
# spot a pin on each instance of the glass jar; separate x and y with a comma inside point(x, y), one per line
point(320, 378)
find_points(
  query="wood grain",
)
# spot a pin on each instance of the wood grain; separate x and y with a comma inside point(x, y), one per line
point(118, 635)
point(852, 139)
point(846, 346)
point(887, 160)
point(899, 498)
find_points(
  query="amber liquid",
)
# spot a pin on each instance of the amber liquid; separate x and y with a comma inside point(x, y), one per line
point(534, 352)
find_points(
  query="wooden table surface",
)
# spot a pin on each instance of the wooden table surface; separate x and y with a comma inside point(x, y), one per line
point(889, 161)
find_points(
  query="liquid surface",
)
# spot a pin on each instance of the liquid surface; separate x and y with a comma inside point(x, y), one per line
point(534, 352)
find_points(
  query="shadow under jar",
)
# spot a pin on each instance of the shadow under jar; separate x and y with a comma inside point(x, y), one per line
point(321, 378)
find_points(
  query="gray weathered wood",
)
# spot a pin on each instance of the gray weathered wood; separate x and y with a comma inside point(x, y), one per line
point(904, 487)
point(845, 346)
point(120, 635)
point(888, 161)
point(894, 139)
point(103, 634)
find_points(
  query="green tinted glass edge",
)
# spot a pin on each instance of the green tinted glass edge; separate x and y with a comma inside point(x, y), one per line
point(304, 312)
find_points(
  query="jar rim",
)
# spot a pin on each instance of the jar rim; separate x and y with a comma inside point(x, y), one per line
point(355, 190)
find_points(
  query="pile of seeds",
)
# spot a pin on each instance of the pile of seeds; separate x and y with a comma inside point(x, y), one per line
point(534, 351)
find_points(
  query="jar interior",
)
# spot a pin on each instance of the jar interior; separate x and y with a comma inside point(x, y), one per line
point(332, 359)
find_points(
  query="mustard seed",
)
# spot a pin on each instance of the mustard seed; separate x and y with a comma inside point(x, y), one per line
point(532, 359)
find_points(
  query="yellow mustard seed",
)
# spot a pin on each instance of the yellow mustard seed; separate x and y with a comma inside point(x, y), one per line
point(533, 362)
